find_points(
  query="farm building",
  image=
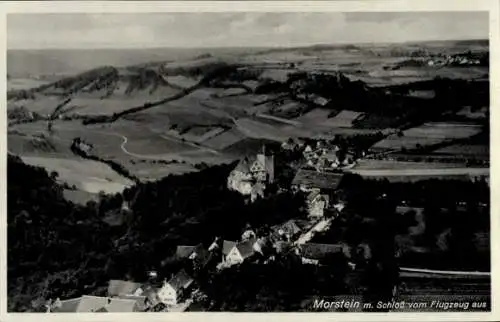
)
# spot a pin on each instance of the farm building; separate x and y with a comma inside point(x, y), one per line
point(313, 253)
point(172, 291)
point(89, 304)
point(241, 251)
point(309, 180)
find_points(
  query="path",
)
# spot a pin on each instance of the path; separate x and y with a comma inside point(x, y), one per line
point(420, 272)
point(321, 225)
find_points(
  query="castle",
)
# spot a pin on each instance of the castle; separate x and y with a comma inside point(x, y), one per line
point(252, 174)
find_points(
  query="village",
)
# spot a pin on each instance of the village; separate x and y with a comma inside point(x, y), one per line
point(318, 175)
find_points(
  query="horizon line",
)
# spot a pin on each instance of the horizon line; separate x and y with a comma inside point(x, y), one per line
point(256, 47)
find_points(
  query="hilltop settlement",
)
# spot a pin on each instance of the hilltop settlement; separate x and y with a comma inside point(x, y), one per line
point(256, 183)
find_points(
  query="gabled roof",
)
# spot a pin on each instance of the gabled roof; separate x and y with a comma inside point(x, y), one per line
point(202, 255)
point(246, 248)
point(320, 251)
point(314, 179)
point(140, 301)
point(227, 245)
point(89, 303)
point(184, 251)
point(181, 280)
point(245, 164)
point(120, 287)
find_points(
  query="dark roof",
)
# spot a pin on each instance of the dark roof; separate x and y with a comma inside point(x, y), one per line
point(227, 245)
point(314, 179)
point(320, 251)
point(246, 248)
point(184, 251)
point(245, 164)
point(202, 255)
point(119, 287)
point(180, 280)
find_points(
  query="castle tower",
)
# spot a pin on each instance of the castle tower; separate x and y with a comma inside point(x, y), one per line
point(268, 162)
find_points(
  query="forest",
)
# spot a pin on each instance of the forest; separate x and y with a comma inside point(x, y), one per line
point(60, 249)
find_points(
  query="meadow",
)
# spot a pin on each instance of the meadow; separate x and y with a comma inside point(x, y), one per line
point(86, 175)
point(428, 134)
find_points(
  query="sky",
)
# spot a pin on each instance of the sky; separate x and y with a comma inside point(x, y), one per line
point(256, 29)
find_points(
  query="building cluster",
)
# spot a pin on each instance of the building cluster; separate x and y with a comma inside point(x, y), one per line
point(453, 60)
point(251, 178)
point(320, 155)
point(127, 296)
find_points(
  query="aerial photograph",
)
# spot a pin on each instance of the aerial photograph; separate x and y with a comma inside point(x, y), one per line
point(248, 162)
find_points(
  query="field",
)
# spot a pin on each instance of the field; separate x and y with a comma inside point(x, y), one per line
point(469, 150)
point(86, 175)
point(418, 174)
point(225, 139)
point(344, 119)
point(428, 134)
point(401, 165)
point(41, 104)
point(24, 83)
point(205, 127)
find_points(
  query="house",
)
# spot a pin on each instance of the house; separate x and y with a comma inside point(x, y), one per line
point(316, 204)
point(172, 291)
point(313, 253)
point(252, 174)
point(119, 287)
point(241, 251)
point(286, 230)
point(198, 254)
point(227, 246)
point(88, 304)
point(309, 180)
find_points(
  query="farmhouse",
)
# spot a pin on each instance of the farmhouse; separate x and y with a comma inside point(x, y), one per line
point(312, 253)
point(252, 174)
point(172, 291)
point(241, 251)
point(88, 304)
point(309, 180)
point(287, 230)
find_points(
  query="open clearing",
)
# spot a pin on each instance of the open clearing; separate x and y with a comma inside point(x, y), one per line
point(86, 175)
point(428, 134)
